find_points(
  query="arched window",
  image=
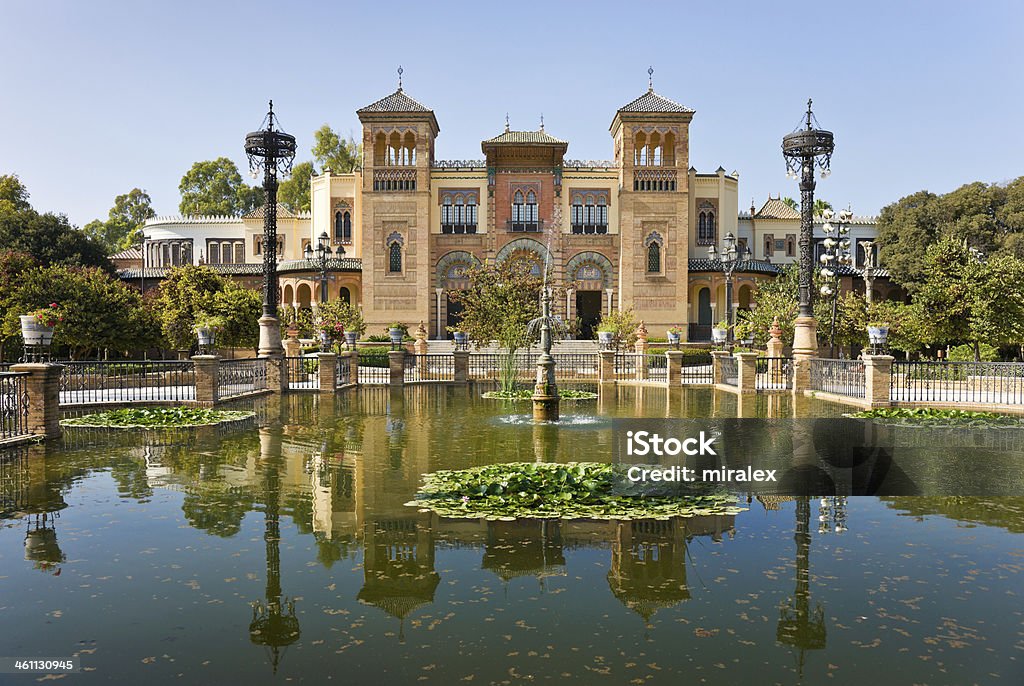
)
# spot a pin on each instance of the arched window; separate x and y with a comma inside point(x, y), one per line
point(531, 211)
point(576, 214)
point(654, 258)
point(602, 215)
point(339, 226)
point(460, 214)
point(471, 214)
point(346, 234)
point(395, 258)
point(518, 212)
point(446, 215)
point(345, 295)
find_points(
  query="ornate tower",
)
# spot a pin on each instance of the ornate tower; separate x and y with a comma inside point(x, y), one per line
point(398, 150)
point(652, 153)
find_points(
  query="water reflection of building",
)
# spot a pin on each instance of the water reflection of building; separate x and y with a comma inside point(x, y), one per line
point(524, 547)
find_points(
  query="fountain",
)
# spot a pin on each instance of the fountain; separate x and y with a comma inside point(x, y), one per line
point(545, 391)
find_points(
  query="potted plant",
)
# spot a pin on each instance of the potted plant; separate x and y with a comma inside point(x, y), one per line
point(878, 333)
point(675, 335)
point(720, 332)
point(461, 339)
point(206, 329)
point(37, 326)
point(744, 333)
point(606, 335)
point(355, 325)
point(396, 331)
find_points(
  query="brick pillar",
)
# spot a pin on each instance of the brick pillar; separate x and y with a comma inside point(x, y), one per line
point(396, 359)
point(328, 372)
point(461, 366)
point(353, 367)
point(717, 376)
point(277, 377)
point(877, 376)
point(606, 371)
point(675, 367)
point(641, 362)
point(207, 367)
point(43, 388)
point(746, 366)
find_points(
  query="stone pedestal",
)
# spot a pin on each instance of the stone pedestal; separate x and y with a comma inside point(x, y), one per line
point(207, 372)
point(328, 372)
point(877, 379)
point(396, 362)
point(641, 361)
point(270, 336)
point(43, 389)
point(461, 366)
point(545, 395)
point(292, 347)
point(805, 348)
point(775, 349)
point(746, 366)
point(606, 369)
point(353, 367)
point(675, 367)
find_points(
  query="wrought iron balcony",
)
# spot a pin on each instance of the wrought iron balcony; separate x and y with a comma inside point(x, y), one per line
point(524, 226)
point(590, 228)
point(659, 180)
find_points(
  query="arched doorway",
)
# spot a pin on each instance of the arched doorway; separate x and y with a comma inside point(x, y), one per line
point(454, 309)
point(704, 315)
point(588, 311)
point(345, 295)
point(746, 297)
point(590, 272)
point(303, 296)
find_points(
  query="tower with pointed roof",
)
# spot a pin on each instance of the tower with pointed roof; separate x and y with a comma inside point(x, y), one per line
point(398, 151)
point(651, 140)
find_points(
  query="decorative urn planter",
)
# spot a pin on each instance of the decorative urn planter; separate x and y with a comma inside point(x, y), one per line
point(878, 335)
point(34, 332)
point(396, 337)
point(747, 342)
point(674, 337)
point(325, 341)
point(719, 334)
point(350, 339)
point(605, 338)
point(461, 339)
point(206, 336)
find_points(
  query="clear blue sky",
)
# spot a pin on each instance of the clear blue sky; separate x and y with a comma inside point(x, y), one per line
point(100, 97)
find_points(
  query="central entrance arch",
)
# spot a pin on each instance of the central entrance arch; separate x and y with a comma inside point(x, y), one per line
point(588, 311)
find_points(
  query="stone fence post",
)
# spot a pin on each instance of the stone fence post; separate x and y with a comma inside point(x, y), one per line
point(641, 360)
point(43, 387)
point(353, 367)
point(207, 375)
point(396, 361)
point(461, 366)
point(717, 356)
point(277, 377)
point(675, 367)
point(746, 366)
point(877, 377)
point(606, 369)
point(328, 372)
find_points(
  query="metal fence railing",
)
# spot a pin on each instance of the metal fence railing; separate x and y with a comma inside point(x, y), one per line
point(696, 368)
point(841, 377)
point(100, 382)
point(344, 373)
point(730, 371)
point(576, 366)
point(238, 377)
point(303, 373)
point(958, 382)
point(13, 405)
point(568, 366)
point(428, 367)
point(774, 373)
point(374, 367)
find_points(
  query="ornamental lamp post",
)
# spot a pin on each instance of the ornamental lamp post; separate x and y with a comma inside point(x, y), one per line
point(803, 149)
point(319, 259)
point(270, 150)
point(837, 253)
point(729, 258)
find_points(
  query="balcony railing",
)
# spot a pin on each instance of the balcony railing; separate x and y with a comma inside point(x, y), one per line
point(654, 180)
point(394, 179)
point(590, 228)
point(458, 228)
point(525, 227)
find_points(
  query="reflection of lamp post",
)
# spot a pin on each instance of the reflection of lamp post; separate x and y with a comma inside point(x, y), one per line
point(273, 151)
point(729, 258)
point(799, 626)
point(803, 149)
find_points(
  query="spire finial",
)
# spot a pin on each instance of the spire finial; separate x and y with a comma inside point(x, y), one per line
point(400, 72)
point(541, 121)
point(650, 78)
point(506, 122)
point(809, 114)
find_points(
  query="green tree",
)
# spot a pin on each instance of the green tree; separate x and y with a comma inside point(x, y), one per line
point(293, 192)
point(123, 228)
point(190, 291)
point(498, 304)
point(13, 194)
point(622, 324)
point(12, 266)
point(332, 151)
point(820, 206)
point(100, 312)
point(216, 187)
point(791, 202)
point(50, 239)
point(779, 298)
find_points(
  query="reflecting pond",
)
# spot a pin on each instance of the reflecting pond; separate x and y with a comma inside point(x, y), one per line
point(287, 553)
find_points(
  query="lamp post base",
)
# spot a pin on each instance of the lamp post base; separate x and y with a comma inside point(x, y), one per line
point(270, 336)
point(805, 337)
